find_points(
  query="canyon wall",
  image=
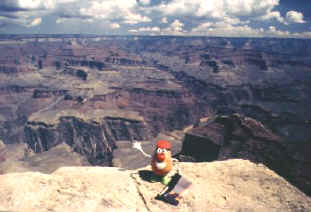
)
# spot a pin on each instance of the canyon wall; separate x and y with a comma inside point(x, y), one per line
point(94, 92)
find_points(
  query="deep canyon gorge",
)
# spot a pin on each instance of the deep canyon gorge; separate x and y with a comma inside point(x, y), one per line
point(87, 100)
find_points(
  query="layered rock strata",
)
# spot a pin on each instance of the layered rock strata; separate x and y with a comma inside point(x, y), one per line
point(238, 136)
point(93, 134)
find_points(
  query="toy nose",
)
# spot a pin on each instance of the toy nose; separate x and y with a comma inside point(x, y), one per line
point(160, 157)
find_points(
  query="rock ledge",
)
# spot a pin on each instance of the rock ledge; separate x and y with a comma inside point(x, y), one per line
point(231, 185)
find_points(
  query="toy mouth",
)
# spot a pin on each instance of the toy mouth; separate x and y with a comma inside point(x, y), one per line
point(160, 165)
point(160, 157)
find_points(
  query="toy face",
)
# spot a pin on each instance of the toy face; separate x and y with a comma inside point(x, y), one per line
point(161, 161)
point(161, 154)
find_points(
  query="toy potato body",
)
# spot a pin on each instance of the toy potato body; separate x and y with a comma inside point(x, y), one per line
point(167, 160)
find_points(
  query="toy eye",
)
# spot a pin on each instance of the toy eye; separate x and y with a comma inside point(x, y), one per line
point(159, 150)
point(164, 150)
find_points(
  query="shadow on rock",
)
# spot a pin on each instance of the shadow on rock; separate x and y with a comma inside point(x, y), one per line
point(148, 176)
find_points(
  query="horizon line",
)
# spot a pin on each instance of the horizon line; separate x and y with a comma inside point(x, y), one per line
point(37, 35)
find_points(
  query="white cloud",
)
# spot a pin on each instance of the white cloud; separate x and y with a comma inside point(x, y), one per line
point(28, 13)
point(294, 17)
point(116, 11)
point(195, 17)
point(133, 30)
point(234, 21)
point(218, 8)
point(226, 24)
point(60, 20)
point(145, 2)
point(177, 7)
point(133, 18)
point(226, 29)
point(112, 10)
point(35, 22)
point(273, 32)
point(34, 4)
point(250, 7)
point(175, 28)
point(202, 28)
point(40, 4)
point(114, 25)
point(273, 15)
point(149, 29)
point(72, 20)
point(23, 19)
point(229, 30)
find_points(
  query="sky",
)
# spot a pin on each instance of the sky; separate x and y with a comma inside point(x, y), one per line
point(228, 18)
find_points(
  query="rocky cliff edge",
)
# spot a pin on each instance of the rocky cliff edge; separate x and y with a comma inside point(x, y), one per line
point(231, 185)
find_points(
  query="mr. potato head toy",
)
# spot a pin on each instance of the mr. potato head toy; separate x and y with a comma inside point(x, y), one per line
point(162, 167)
point(162, 163)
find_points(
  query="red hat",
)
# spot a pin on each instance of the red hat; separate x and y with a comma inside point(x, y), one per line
point(163, 144)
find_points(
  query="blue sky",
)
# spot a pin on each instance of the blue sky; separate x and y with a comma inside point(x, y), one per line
point(233, 18)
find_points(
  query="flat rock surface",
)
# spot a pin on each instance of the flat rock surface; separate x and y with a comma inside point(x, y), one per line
point(70, 189)
point(232, 185)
